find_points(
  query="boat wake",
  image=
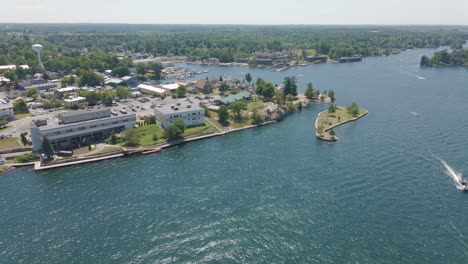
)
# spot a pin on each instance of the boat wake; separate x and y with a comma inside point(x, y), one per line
point(456, 176)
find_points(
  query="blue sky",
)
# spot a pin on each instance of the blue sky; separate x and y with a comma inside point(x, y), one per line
point(447, 12)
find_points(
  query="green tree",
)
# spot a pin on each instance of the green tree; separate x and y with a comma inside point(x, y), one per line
point(176, 130)
point(181, 91)
point(269, 91)
point(331, 94)
point(157, 68)
point(68, 80)
point(131, 137)
point(248, 78)
point(353, 109)
point(237, 107)
point(207, 112)
point(331, 109)
point(223, 114)
point(290, 86)
point(24, 140)
point(30, 92)
point(141, 68)
point(122, 92)
point(223, 87)
point(220, 78)
point(20, 107)
point(89, 78)
point(309, 93)
point(113, 138)
point(47, 148)
point(107, 97)
point(120, 71)
point(74, 106)
point(425, 62)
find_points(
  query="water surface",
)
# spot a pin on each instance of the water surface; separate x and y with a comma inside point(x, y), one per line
point(273, 194)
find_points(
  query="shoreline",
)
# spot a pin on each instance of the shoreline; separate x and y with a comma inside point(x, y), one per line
point(334, 139)
point(137, 151)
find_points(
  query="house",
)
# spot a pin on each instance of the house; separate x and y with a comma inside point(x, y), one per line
point(166, 113)
point(203, 86)
point(79, 127)
point(129, 80)
point(114, 82)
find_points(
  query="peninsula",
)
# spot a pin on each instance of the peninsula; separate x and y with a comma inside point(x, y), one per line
point(336, 116)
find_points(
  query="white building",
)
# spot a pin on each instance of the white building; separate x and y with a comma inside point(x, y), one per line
point(172, 88)
point(6, 111)
point(167, 113)
point(78, 128)
point(5, 68)
point(73, 100)
point(148, 89)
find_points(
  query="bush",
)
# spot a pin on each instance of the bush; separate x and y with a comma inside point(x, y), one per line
point(29, 157)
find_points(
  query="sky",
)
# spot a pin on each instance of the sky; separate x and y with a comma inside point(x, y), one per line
point(322, 12)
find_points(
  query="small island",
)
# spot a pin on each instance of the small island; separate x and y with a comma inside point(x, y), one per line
point(335, 116)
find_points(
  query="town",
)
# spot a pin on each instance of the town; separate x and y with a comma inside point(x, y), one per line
point(50, 119)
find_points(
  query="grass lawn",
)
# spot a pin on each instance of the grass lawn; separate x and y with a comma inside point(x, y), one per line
point(240, 123)
point(3, 128)
point(330, 119)
point(255, 105)
point(9, 144)
point(146, 134)
point(202, 129)
point(21, 116)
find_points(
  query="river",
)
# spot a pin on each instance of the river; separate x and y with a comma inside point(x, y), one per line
point(273, 194)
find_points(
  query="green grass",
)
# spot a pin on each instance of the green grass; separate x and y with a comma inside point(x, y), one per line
point(202, 129)
point(9, 144)
point(331, 119)
point(255, 105)
point(146, 135)
point(21, 116)
point(5, 127)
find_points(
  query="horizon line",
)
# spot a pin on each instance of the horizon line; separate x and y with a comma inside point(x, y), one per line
point(220, 24)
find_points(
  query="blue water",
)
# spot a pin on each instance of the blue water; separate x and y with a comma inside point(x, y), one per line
point(273, 194)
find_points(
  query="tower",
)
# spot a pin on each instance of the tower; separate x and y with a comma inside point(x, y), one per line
point(37, 48)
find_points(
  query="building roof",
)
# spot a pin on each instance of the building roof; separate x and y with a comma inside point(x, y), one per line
point(151, 88)
point(67, 89)
point(83, 115)
point(55, 122)
point(177, 106)
point(170, 87)
point(200, 84)
point(234, 97)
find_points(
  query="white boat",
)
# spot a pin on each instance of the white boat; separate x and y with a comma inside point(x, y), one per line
point(415, 114)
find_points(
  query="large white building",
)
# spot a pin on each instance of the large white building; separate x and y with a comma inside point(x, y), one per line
point(6, 111)
point(78, 128)
point(166, 112)
point(148, 89)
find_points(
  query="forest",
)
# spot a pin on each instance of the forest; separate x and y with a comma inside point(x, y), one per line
point(457, 57)
point(63, 43)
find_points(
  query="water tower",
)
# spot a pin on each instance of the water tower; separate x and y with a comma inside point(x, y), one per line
point(37, 48)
